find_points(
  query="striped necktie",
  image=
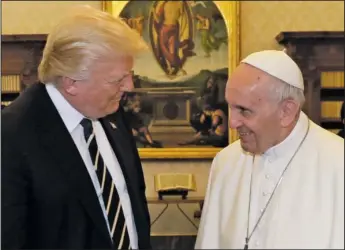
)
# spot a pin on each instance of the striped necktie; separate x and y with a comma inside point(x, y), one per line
point(116, 218)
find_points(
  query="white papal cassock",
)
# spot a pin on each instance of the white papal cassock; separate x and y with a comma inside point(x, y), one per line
point(307, 209)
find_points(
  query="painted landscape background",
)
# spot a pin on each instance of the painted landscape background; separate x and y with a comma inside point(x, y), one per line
point(180, 83)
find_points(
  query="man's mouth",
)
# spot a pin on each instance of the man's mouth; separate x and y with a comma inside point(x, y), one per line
point(244, 135)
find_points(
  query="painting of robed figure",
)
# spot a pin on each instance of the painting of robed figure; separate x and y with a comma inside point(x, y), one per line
point(178, 103)
point(171, 34)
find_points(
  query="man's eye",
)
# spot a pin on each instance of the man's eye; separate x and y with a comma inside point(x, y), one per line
point(245, 112)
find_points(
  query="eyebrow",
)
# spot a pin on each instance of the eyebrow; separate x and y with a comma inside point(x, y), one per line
point(119, 78)
point(242, 107)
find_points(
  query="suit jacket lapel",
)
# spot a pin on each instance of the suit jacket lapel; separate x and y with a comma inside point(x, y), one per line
point(59, 144)
point(119, 140)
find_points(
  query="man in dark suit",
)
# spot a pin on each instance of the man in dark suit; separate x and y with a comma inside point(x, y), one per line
point(71, 176)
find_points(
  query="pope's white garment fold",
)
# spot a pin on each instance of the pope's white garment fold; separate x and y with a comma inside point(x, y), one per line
point(307, 210)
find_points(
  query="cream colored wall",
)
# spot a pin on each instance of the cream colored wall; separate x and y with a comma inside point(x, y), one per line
point(260, 23)
point(36, 17)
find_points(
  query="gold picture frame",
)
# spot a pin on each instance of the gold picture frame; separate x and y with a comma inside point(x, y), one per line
point(230, 11)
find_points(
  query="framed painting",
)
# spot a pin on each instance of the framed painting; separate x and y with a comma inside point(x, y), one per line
point(178, 108)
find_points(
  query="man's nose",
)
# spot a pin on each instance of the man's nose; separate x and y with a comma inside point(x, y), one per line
point(128, 84)
point(234, 121)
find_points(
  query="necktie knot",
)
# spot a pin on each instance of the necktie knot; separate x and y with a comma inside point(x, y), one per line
point(88, 129)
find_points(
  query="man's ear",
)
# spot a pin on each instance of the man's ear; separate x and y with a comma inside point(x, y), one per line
point(69, 85)
point(289, 110)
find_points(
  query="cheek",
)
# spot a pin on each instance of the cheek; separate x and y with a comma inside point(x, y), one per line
point(89, 95)
point(251, 125)
point(114, 91)
point(257, 127)
point(99, 98)
point(106, 94)
point(266, 127)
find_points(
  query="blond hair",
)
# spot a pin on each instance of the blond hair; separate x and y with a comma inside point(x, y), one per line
point(81, 39)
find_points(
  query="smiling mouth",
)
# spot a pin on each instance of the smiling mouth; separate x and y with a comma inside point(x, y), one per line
point(244, 133)
point(244, 136)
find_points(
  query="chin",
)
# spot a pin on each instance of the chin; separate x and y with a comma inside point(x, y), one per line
point(246, 147)
point(113, 108)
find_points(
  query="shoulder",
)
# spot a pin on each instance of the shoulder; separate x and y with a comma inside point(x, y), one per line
point(19, 114)
point(328, 146)
point(326, 140)
point(341, 133)
point(227, 156)
point(12, 118)
point(230, 151)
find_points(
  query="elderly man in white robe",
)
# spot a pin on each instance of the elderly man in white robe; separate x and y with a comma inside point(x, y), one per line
point(281, 185)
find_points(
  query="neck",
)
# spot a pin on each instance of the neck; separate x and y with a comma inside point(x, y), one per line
point(284, 133)
point(72, 101)
point(66, 96)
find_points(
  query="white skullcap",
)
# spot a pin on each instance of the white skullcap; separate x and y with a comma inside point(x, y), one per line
point(278, 64)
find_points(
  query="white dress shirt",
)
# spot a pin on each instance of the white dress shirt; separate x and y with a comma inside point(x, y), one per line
point(72, 118)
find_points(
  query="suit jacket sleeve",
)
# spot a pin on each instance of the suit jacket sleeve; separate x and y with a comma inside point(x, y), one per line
point(14, 197)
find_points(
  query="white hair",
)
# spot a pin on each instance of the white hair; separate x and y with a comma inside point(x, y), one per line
point(282, 91)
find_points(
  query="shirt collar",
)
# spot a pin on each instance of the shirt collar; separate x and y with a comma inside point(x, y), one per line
point(292, 141)
point(70, 116)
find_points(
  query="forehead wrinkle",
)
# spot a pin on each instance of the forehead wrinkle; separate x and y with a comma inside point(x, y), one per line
point(241, 98)
point(115, 68)
point(249, 84)
point(260, 88)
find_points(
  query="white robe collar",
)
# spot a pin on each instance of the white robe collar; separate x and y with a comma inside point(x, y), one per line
point(291, 142)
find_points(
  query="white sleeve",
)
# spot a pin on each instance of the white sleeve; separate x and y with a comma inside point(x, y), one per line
point(208, 232)
point(337, 238)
